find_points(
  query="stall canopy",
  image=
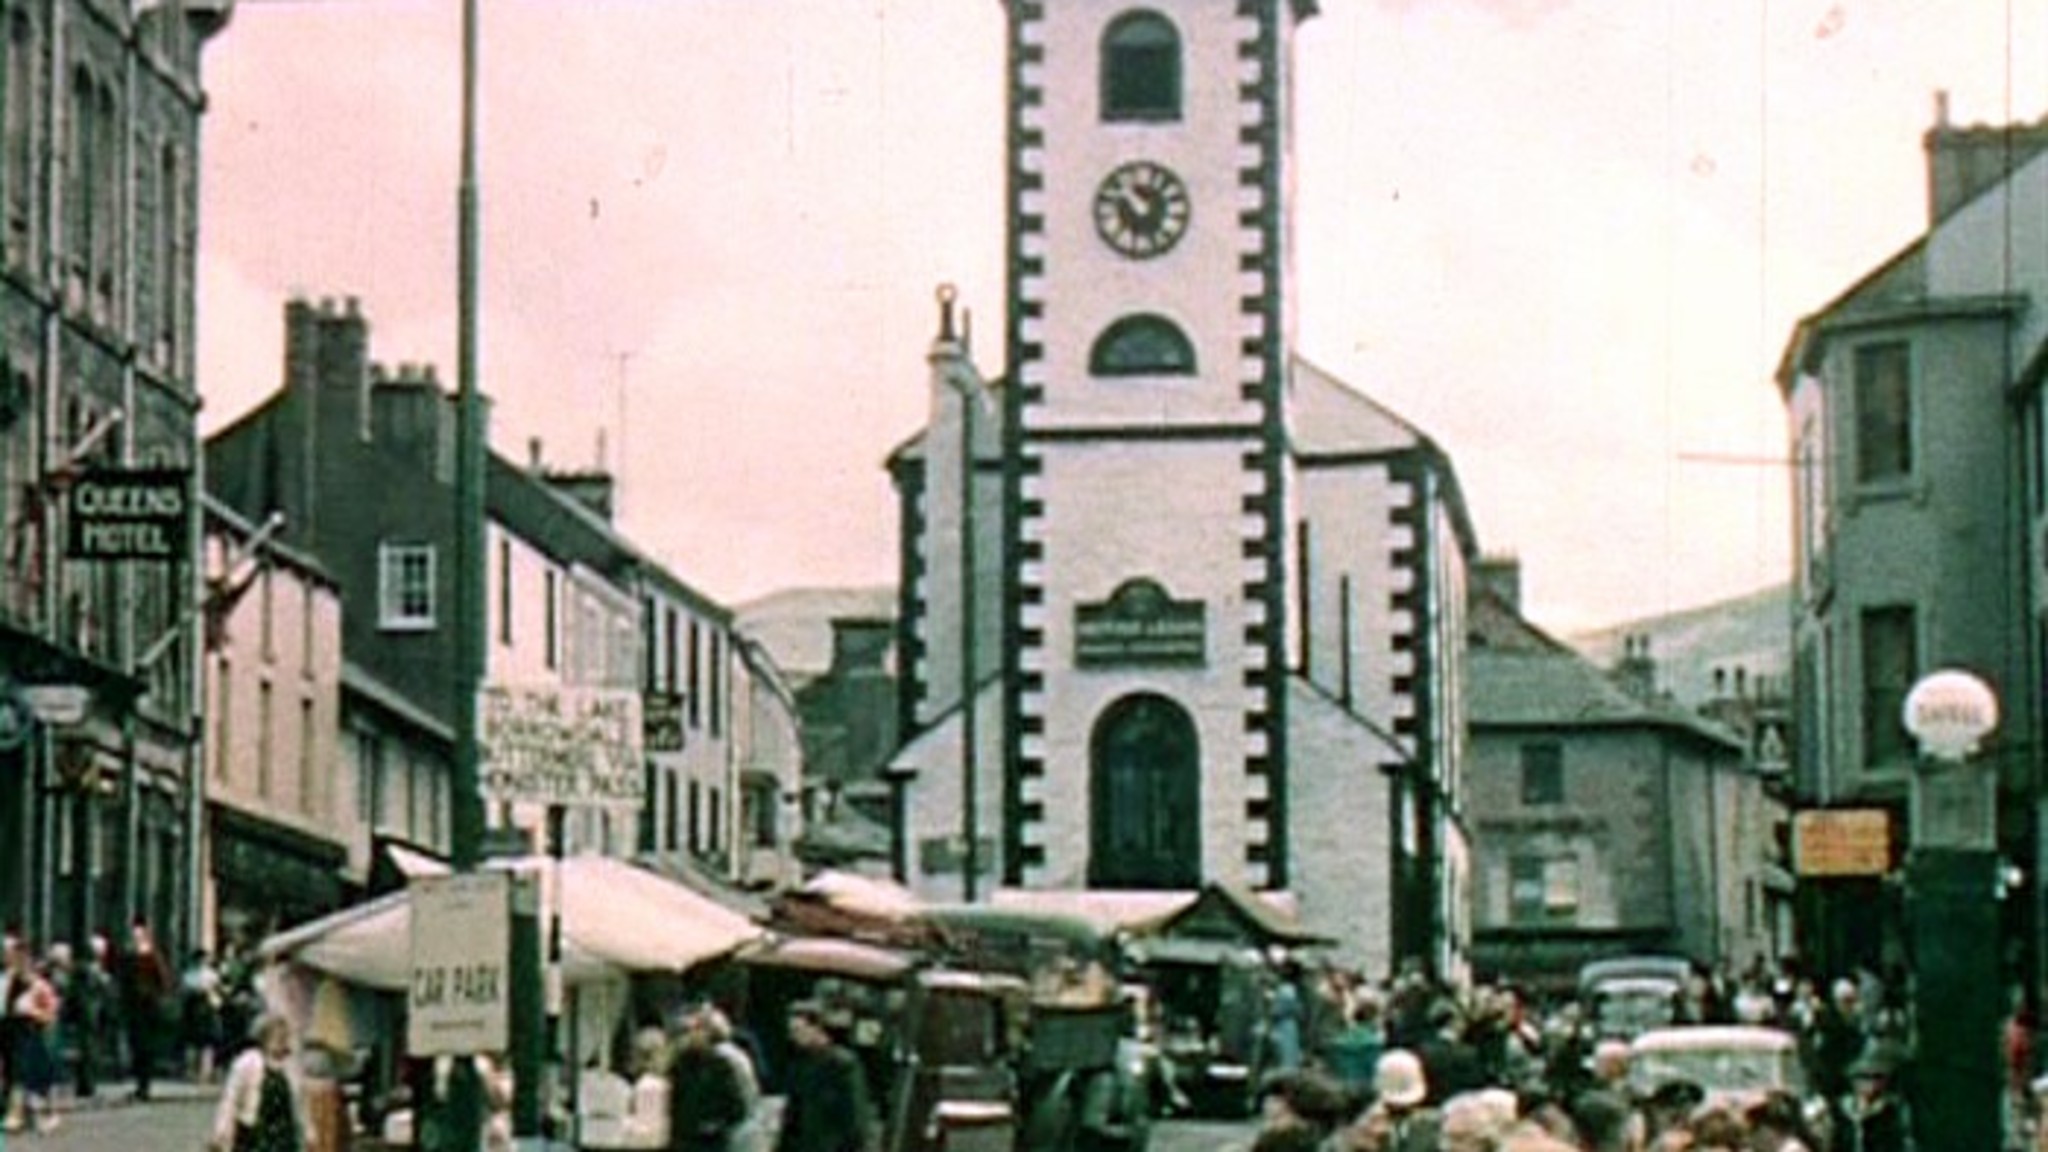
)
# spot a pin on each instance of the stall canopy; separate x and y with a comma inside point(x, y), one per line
point(615, 918)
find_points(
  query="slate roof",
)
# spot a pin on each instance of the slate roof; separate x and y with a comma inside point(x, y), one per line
point(1518, 676)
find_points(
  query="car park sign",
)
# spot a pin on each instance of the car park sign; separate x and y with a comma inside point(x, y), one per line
point(459, 989)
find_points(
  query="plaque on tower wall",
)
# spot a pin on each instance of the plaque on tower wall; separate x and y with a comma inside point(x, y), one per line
point(1141, 626)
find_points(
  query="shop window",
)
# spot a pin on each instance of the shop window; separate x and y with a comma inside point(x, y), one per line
point(1543, 890)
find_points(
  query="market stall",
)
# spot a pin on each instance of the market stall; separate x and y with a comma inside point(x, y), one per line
point(342, 977)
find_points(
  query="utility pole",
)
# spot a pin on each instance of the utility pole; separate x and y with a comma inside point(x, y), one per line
point(466, 812)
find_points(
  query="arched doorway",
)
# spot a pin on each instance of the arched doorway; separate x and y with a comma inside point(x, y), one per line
point(1146, 796)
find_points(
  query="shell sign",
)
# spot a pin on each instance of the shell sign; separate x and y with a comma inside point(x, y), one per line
point(1949, 712)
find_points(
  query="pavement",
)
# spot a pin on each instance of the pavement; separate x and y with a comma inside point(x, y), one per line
point(176, 1117)
point(179, 1114)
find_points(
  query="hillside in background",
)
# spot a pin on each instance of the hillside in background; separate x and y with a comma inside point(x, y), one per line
point(1751, 632)
point(795, 624)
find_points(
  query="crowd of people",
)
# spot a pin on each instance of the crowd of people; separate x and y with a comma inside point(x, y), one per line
point(73, 1021)
point(1411, 1066)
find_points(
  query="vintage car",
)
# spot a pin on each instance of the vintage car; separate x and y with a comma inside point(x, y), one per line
point(1070, 1058)
point(1734, 1065)
point(1628, 995)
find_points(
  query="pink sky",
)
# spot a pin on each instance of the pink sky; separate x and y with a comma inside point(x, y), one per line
point(1568, 239)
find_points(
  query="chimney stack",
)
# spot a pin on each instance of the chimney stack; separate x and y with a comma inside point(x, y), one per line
point(1965, 161)
point(1501, 575)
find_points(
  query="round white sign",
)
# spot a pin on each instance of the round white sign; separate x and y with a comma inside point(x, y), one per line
point(1949, 712)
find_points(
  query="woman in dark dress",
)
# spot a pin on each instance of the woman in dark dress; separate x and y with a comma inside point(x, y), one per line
point(263, 1105)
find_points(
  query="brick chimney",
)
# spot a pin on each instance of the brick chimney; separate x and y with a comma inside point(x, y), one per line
point(861, 644)
point(1964, 161)
point(1637, 671)
point(326, 393)
point(326, 355)
point(594, 489)
point(1500, 574)
point(412, 416)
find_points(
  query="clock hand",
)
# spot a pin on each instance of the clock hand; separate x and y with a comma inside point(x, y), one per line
point(1141, 204)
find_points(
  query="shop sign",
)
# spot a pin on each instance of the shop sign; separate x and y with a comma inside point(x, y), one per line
point(1140, 626)
point(139, 514)
point(561, 746)
point(1842, 842)
point(459, 988)
point(662, 722)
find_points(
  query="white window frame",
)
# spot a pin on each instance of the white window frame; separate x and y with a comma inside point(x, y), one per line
point(393, 614)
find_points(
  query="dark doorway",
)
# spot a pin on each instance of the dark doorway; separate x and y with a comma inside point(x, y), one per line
point(1146, 793)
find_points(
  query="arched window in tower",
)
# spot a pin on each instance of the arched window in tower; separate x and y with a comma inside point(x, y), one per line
point(1142, 345)
point(1141, 68)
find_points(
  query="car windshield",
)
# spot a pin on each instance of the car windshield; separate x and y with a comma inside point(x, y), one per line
point(1718, 1070)
point(1629, 1011)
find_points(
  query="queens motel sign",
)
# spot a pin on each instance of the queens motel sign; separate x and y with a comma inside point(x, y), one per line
point(141, 514)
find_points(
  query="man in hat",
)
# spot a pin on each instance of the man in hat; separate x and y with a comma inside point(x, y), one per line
point(1399, 1119)
point(1874, 1116)
point(710, 1098)
point(828, 1108)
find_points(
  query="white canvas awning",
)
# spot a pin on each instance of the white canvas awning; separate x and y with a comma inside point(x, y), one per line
point(615, 918)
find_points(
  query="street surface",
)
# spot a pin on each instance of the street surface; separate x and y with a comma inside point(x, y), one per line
point(179, 1121)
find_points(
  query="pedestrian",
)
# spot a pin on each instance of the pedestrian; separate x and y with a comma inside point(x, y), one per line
point(10, 1027)
point(199, 1014)
point(1399, 1120)
point(78, 1017)
point(1301, 1110)
point(828, 1108)
point(35, 1006)
point(146, 988)
point(1284, 1019)
point(712, 1091)
point(1874, 1116)
point(263, 1104)
point(1777, 1123)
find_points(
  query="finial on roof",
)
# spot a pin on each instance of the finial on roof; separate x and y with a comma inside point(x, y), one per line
point(947, 294)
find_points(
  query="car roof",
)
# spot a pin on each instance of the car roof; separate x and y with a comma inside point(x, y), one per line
point(1695, 1037)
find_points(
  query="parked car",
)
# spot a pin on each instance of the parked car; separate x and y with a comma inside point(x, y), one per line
point(1628, 995)
point(1735, 1065)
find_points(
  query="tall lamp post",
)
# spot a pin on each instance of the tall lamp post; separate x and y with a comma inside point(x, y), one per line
point(1952, 879)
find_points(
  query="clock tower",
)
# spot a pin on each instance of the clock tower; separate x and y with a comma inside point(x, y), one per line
point(1178, 608)
point(1144, 444)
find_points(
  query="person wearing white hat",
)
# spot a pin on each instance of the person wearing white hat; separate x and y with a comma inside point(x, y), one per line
point(1398, 1120)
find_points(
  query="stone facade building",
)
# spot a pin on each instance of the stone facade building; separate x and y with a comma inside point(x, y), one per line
point(358, 460)
point(99, 159)
point(1201, 600)
point(1607, 821)
point(1913, 550)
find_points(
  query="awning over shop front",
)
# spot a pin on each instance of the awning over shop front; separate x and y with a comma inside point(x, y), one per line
point(615, 918)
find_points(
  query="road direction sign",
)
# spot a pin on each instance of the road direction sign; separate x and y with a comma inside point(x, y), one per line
point(561, 746)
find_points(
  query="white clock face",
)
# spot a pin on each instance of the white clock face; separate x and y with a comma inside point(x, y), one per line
point(1141, 209)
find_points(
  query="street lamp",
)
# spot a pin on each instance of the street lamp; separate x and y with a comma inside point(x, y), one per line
point(1952, 883)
